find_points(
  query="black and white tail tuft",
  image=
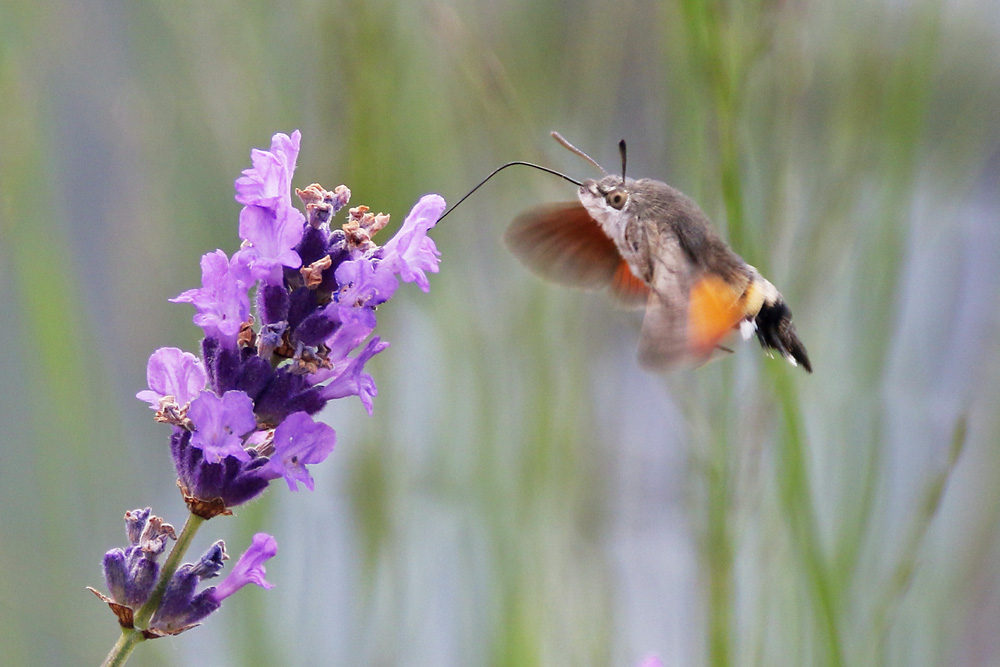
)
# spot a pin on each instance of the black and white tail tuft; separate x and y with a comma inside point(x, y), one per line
point(776, 331)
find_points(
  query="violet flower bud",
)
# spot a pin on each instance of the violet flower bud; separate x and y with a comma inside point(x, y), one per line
point(130, 573)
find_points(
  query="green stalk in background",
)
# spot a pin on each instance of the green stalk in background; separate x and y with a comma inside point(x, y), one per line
point(723, 60)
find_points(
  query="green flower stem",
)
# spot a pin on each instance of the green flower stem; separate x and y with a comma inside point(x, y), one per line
point(123, 647)
point(131, 637)
point(718, 547)
point(712, 58)
point(797, 502)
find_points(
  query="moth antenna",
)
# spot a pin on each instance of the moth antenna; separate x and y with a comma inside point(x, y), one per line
point(621, 150)
point(501, 168)
point(573, 149)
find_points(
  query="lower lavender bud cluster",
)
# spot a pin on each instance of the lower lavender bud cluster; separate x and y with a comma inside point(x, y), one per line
point(131, 574)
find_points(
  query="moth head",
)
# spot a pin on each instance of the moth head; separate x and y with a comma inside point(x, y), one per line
point(608, 200)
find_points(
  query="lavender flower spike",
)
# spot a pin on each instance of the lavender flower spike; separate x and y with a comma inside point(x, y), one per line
point(242, 413)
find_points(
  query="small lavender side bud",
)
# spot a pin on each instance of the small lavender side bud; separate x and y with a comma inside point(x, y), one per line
point(130, 574)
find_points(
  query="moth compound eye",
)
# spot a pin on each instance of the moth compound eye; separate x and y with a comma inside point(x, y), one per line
point(616, 198)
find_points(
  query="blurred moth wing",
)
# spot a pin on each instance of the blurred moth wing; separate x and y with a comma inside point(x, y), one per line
point(689, 312)
point(564, 244)
point(687, 319)
point(664, 339)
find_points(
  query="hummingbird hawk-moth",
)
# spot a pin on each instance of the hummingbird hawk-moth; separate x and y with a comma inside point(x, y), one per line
point(651, 245)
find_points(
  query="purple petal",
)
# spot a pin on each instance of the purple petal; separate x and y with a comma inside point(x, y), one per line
point(411, 252)
point(249, 569)
point(356, 324)
point(221, 423)
point(361, 285)
point(351, 380)
point(299, 441)
point(269, 225)
point(269, 181)
point(222, 302)
point(270, 236)
point(173, 372)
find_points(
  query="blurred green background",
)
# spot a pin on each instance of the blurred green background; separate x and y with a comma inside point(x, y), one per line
point(525, 494)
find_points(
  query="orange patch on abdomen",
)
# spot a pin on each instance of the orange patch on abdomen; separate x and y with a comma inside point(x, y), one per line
point(714, 310)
